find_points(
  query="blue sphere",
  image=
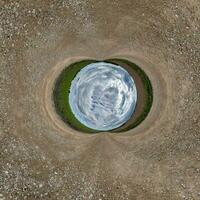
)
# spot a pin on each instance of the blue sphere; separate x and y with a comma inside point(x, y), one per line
point(103, 96)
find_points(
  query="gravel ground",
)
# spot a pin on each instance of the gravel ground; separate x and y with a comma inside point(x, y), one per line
point(42, 158)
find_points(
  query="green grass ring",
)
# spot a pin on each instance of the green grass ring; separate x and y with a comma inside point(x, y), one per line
point(62, 89)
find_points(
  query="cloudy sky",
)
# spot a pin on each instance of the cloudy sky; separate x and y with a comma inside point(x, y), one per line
point(103, 96)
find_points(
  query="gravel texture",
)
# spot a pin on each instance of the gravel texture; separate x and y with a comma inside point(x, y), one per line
point(42, 158)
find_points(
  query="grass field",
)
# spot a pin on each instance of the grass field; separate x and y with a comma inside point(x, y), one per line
point(61, 94)
point(62, 90)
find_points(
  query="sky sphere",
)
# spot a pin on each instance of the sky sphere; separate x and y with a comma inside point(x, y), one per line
point(103, 96)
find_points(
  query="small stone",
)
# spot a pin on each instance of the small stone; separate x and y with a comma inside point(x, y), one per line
point(183, 185)
point(33, 11)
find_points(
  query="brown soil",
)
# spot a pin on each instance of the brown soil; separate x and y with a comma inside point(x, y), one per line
point(42, 158)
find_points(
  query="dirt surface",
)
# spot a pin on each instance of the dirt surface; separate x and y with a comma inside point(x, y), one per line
point(42, 158)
